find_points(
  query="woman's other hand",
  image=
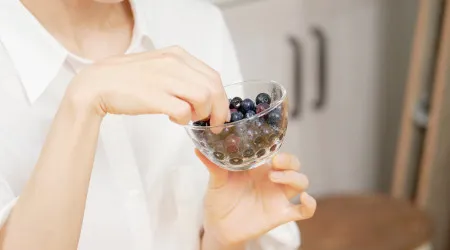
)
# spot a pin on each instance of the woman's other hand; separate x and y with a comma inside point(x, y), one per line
point(240, 206)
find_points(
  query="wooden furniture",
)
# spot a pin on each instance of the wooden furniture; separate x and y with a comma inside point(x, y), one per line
point(434, 182)
point(425, 143)
point(399, 221)
point(365, 222)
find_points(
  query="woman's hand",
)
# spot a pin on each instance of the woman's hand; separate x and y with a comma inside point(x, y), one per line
point(168, 81)
point(240, 206)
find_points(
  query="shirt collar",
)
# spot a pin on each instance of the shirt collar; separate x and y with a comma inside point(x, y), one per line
point(37, 56)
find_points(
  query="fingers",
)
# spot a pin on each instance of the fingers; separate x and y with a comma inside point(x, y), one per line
point(187, 86)
point(305, 210)
point(193, 62)
point(285, 170)
point(220, 112)
point(218, 176)
point(218, 106)
point(285, 161)
point(187, 78)
point(294, 182)
point(178, 110)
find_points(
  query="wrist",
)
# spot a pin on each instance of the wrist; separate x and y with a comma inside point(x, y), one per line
point(209, 242)
point(83, 101)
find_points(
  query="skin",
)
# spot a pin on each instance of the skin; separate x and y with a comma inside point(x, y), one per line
point(240, 206)
point(49, 212)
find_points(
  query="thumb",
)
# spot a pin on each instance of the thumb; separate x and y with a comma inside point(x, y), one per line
point(218, 176)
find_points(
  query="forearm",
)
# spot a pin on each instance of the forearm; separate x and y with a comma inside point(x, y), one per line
point(49, 212)
point(209, 243)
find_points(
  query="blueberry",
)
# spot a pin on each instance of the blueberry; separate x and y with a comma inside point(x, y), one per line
point(232, 149)
point(279, 108)
point(226, 131)
point(274, 117)
point(210, 137)
point(233, 110)
point(232, 143)
point(219, 151)
point(241, 129)
point(263, 98)
point(232, 139)
point(252, 133)
point(219, 155)
point(259, 141)
point(250, 113)
point(248, 150)
point(267, 131)
point(236, 160)
point(261, 107)
point(258, 123)
point(201, 123)
point(272, 137)
point(247, 105)
point(235, 103)
point(236, 116)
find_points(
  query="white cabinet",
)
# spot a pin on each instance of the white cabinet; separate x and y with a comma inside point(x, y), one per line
point(350, 127)
point(338, 143)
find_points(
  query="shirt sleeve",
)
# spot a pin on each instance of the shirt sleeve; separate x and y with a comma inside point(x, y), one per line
point(284, 237)
point(7, 200)
point(11, 164)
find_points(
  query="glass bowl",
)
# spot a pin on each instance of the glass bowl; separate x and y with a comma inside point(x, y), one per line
point(250, 142)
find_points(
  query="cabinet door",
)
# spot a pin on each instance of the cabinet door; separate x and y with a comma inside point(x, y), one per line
point(270, 36)
point(349, 124)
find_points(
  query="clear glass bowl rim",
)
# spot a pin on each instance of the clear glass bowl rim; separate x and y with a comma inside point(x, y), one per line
point(259, 115)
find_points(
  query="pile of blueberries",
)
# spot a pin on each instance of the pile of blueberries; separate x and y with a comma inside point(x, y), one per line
point(247, 139)
point(247, 108)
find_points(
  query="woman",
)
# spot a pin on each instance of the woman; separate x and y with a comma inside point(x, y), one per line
point(88, 158)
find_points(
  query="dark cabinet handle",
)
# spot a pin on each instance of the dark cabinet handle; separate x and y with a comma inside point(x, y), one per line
point(322, 69)
point(297, 76)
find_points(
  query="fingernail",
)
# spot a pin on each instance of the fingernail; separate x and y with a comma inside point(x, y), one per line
point(229, 116)
point(216, 130)
point(276, 175)
point(308, 198)
point(281, 160)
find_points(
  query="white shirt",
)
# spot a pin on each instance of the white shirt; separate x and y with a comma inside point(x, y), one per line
point(147, 186)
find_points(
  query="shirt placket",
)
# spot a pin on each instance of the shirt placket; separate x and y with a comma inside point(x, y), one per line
point(126, 174)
